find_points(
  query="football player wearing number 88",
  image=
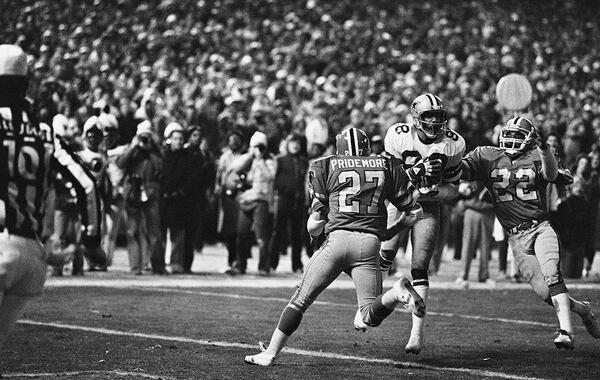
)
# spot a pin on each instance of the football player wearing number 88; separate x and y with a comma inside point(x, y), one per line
point(349, 191)
point(424, 145)
point(517, 173)
point(26, 154)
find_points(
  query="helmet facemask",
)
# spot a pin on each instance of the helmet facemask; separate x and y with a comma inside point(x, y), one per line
point(435, 126)
point(513, 140)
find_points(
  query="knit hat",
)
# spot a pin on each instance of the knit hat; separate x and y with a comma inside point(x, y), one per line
point(144, 128)
point(258, 138)
point(90, 124)
point(172, 127)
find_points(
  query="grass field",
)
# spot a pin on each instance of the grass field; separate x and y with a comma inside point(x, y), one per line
point(115, 325)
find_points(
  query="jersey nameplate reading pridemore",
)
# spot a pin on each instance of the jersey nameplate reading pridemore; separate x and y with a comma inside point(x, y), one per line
point(351, 191)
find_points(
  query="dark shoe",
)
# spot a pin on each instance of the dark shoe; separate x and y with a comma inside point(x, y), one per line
point(234, 271)
point(263, 273)
point(187, 271)
point(77, 273)
point(161, 271)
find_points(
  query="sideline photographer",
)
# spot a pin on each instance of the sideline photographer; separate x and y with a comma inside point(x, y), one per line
point(255, 202)
point(142, 165)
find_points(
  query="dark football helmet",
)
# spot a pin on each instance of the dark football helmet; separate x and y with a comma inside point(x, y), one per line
point(352, 142)
point(516, 136)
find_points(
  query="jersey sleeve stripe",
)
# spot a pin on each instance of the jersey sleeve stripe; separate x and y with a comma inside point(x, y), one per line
point(452, 174)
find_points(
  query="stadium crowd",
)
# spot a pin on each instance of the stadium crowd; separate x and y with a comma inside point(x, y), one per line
point(182, 108)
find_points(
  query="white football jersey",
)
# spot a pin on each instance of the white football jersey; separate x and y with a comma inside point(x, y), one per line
point(401, 141)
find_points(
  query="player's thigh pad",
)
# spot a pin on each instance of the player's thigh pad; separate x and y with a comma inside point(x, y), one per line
point(530, 269)
point(22, 266)
point(324, 267)
point(424, 235)
point(362, 263)
point(547, 251)
point(393, 217)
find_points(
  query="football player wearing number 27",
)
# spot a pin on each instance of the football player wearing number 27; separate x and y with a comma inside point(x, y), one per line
point(27, 152)
point(517, 173)
point(349, 191)
point(425, 145)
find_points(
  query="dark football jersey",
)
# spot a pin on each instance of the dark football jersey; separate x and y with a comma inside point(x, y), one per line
point(352, 191)
point(518, 186)
point(27, 153)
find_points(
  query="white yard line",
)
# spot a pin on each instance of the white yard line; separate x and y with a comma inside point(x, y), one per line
point(36, 375)
point(354, 306)
point(316, 354)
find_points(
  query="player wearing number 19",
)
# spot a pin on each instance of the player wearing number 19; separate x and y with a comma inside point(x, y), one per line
point(517, 173)
point(27, 152)
point(349, 190)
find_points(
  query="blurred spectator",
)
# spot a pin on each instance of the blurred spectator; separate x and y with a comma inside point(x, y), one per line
point(290, 204)
point(376, 145)
point(478, 227)
point(227, 187)
point(177, 188)
point(94, 160)
point(574, 218)
point(255, 203)
point(114, 207)
point(201, 183)
point(142, 165)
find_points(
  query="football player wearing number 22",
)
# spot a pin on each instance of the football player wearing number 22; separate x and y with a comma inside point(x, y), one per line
point(27, 153)
point(349, 191)
point(517, 173)
point(424, 144)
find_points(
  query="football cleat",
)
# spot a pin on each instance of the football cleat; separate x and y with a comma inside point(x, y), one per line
point(564, 340)
point(427, 106)
point(359, 324)
point(352, 142)
point(414, 344)
point(409, 298)
point(590, 322)
point(263, 359)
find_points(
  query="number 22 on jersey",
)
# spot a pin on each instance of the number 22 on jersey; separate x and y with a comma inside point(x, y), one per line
point(362, 188)
point(524, 184)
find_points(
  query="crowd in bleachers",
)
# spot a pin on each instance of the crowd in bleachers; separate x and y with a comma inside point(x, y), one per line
point(180, 89)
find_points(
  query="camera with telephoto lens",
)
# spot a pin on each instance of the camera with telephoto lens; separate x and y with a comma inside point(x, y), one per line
point(144, 140)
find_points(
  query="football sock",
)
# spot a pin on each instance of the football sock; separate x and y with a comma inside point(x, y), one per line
point(386, 259)
point(419, 323)
point(578, 307)
point(380, 310)
point(563, 311)
point(277, 343)
point(290, 319)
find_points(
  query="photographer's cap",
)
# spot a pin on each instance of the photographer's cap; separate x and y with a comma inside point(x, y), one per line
point(173, 127)
point(258, 138)
point(144, 128)
point(13, 60)
point(90, 124)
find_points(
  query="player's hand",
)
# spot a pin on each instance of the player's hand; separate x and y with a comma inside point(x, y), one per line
point(425, 168)
point(534, 139)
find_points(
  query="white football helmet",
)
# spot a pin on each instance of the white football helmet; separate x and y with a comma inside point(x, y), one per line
point(427, 105)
